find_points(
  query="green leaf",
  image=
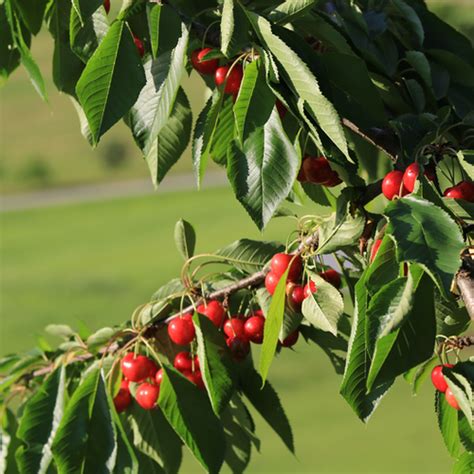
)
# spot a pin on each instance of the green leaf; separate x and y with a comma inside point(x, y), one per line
point(263, 171)
point(84, 9)
point(100, 338)
point(214, 362)
point(464, 464)
point(324, 307)
point(234, 29)
point(224, 132)
point(126, 460)
point(460, 384)
point(185, 238)
point(405, 24)
point(290, 10)
point(459, 70)
point(465, 432)
point(265, 400)
point(111, 81)
point(421, 65)
point(187, 410)
point(249, 255)
point(9, 443)
point(9, 54)
point(86, 437)
point(417, 375)
point(154, 437)
point(425, 234)
point(448, 424)
point(273, 325)
point(32, 13)
point(451, 318)
point(39, 422)
point(60, 330)
point(300, 78)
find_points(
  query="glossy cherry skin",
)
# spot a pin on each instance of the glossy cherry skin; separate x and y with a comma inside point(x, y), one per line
point(107, 6)
point(463, 190)
point(375, 249)
point(195, 377)
point(271, 282)
point(208, 66)
point(159, 377)
point(214, 311)
point(437, 377)
point(139, 44)
point(317, 169)
point(181, 331)
point(147, 395)
point(239, 347)
point(136, 369)
point(234, 327)
point(232, 79)
point(280, 263)
point(392, 185)
point(410, 176)
point(290, 340)
point(309, 288)
point(451, 399)
point(254, 327)
point(123, 399)
point(297, 296)
point(183, 361)
point(332, 277)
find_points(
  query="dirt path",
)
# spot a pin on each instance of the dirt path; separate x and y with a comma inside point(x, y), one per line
point(99, 192)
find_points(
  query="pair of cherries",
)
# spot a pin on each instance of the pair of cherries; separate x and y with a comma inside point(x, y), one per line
point(439, 382)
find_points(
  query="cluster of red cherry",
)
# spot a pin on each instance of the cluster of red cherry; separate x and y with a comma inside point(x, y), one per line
point(400, 183)
point(317, 170)
point(441, 385)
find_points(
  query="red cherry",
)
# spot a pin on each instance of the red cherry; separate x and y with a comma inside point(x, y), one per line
point(280, 262)
point(438, 379)
point(281, 108)
point(196, 362)
point(214, 311)
point(463, 190)
point(136, 368)
point(290, 340)
point(297, 296)
point(332, 277)
point(107, 6)
point(451, 399)
point(271, 282)
point(258, 312)
point(232, 79)
point(123, 399)
point(392, 184)
point(333, 180)
point(207, 66)
point(183, 361)
point(159, 377)
point(195, 378)
point(317, 169)
point(375, 249)
point(238, 347)
point(181, 330)
point(410, 176)
point(309, 288)
point(147, 395)
point(301, 175)
point(139, 44)
point(152, 368)
point(234, 327)
point(254, 327)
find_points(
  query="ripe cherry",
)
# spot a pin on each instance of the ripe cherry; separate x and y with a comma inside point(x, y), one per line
point(281, 108)
point(254, 327)
point(291, 339)
point(136, 369)
point(438, 379)
point(214, 311)
point(139, 44)
point(207, 66)
point(309, 288)
point(123, 399)
point(159, 377)
point(238, 347)
point(451, 399)
point(280, 262)
point(332, 277)
point(392, 184)
point(234, 327)
point(195, 377)
point(183, 361)
point(107, 6)
point(271, 282)
point(147, 395)
point(181, 330)
point(297, 296)
point(333, 180)
point(301, 175)
point(375, 249)
point(463, 190)
point(231, 78)
point(317, 169)
point(410, 176)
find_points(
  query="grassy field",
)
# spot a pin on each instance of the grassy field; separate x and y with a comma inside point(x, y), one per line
point(95, 262)
point(43, 147)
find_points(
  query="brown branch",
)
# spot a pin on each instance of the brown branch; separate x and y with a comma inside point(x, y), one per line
point(465, 283)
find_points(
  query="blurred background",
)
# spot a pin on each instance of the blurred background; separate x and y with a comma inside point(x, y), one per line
point(85, 239)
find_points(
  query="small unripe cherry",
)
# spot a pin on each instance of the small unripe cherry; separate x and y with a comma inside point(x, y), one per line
point(139, 45)
point(136, 368)
point(234, 327)
point(332, 277)
point(208, 66)
point(437, 377)
point(317, 169)
point(146, 395)
point(183, 361)
point(451, 399)
point(309, 288)
point(214, 311)
point(181, 330)
point(231, 78)
point(291, 339)
point(239, 347)
point(254, 327)
point(392, 185)
point(280, 262)
point(375, 249)
point(271, 282)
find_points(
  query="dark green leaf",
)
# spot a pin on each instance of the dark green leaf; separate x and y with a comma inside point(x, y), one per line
point(290, 10)
point(234, 29)
point(32, 13)
point(448, 424)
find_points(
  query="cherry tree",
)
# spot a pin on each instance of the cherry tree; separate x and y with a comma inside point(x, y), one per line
point(364, 107)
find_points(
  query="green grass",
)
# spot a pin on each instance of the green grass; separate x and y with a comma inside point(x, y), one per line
point(95, 262)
